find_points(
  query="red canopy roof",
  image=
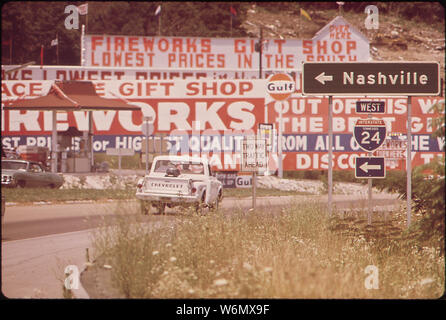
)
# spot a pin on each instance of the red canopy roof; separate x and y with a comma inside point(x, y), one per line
point(70, 95)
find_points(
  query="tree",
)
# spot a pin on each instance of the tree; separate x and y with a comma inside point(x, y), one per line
point(34, 23)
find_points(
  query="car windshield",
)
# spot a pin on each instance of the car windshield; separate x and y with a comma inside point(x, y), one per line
point(185, 167)
point(13, 165)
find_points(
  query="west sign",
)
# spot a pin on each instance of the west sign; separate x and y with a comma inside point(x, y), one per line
point(371, 78)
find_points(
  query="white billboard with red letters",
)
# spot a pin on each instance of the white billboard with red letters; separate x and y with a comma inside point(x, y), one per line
point(337, 41)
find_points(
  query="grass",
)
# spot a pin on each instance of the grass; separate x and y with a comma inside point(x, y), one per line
point(291, 252)
point(29, 195)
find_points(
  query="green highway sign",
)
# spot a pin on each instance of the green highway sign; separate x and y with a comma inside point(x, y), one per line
point(371, 78)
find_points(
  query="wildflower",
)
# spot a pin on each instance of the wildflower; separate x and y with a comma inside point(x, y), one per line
point(426, 281)
point(191, 291)
point(155, 253)
point(220, 282)
point(247, 266)
point(268, 269)
point(168, 245)
point(173, 259)
point(211, 261)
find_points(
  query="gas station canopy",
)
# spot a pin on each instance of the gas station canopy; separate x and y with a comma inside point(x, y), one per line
point(70, 96)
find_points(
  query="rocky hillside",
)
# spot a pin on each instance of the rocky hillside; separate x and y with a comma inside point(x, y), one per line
point(397, 39)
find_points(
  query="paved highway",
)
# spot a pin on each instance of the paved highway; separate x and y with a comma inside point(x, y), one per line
point(22, 222)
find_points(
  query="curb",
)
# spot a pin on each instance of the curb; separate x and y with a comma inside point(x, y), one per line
point(80, 293)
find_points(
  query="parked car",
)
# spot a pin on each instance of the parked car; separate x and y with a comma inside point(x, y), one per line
point(179, 181)
point(23, 173)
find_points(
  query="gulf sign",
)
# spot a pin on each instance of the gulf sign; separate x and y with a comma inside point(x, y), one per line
point(279, 87)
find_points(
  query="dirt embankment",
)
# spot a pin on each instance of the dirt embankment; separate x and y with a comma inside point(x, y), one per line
point(396, 39)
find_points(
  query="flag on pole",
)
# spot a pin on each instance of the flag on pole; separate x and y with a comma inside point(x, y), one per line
point(233, 11)
point(54, 42)
point(305, 14)
point(41, 56)
point(83, 9)
point(158, 10)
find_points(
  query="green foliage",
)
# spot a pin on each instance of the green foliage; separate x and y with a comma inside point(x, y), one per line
point(304, 174)
point(31, 24)
point(29, 195)
point(34, 23)
point(427, 195)
point(261, 254)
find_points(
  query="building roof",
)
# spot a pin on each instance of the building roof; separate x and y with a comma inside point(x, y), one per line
point(70, 96)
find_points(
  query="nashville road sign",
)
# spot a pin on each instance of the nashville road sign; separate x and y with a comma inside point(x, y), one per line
point(370, 167)
point(370, 134)
point(371, 78)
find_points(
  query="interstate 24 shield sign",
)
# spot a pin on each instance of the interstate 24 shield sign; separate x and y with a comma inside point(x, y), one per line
point(370, 134)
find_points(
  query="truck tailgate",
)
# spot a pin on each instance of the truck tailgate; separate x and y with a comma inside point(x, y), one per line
point(167, 185)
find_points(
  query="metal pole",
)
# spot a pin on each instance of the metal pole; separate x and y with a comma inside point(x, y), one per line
point(280, 174)
point(254, 174)
point(90, 133)
point(409, 160)
point(82, 44)
point(54, 144)
point(254, 185)
point(119, 161)
point(260, 52)
point(147, 145)
point(57, 49)
point(330, 154)
point(369, 183)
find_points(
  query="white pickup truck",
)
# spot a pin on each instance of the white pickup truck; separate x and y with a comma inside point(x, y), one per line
point(179, 181)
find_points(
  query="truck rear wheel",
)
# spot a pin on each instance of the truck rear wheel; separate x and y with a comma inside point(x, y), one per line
point(218, 200)
point(145, 207)
point(161, 208)
point(201, 207)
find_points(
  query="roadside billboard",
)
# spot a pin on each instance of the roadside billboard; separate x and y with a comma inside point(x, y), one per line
point(337, 41)
point(212, 116)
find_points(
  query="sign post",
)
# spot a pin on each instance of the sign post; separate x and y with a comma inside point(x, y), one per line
point(409, 161)
point(370, 134)
point(120, 152)
point(147, 130)
point(330, 155)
